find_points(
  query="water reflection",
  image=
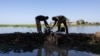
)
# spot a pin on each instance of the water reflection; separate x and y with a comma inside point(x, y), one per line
point(37, 49)
point(52, 50)
point(45, 50)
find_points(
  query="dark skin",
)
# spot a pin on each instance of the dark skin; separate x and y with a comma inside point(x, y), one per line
point(59, 20)
point(38, 22)
point(42, 18)
point(54, 24)
point(46, 23)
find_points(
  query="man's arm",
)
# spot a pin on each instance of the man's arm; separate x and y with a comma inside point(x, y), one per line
point(46, 23)
point(54, 24)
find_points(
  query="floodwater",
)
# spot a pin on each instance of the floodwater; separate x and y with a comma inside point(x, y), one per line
point(7, 49)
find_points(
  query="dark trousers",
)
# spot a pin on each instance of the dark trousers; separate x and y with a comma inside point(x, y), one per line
point(38, 25)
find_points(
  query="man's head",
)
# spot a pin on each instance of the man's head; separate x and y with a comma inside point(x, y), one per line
point(46, 17)
point(54, 18)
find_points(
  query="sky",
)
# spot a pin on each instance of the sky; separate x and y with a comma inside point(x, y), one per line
point(25, 11)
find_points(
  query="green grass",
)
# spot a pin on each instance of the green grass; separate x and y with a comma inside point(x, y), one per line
point(86, 25)
point(33, 25)
point(17, 25)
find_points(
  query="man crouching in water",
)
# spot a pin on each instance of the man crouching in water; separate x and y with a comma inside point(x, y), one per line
point(59, 20)
point(38, 23)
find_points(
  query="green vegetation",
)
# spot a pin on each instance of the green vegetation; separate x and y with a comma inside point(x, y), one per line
point(86, 25)
point(80, 22)
point(33, 25)
point(17, 25)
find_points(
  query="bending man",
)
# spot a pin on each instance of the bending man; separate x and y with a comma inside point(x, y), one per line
point(38, 23)
point(59, 20)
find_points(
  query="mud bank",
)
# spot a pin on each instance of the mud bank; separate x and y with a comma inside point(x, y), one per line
point(27, 42)
point(71, 39)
